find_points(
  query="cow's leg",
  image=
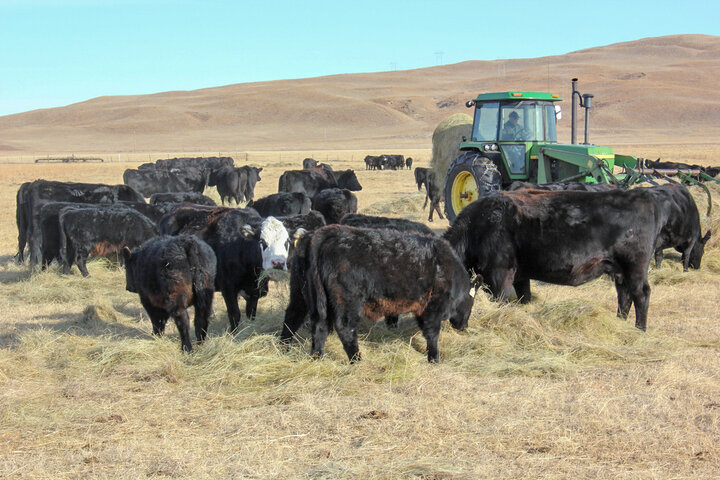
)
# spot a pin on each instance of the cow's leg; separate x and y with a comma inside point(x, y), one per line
point(686, 250)
point(182, 321)
point(81, 263)
point(624, 298)
point(392, 321)
point(640, 293)
point(436, 206)
point(233, 310)
point(295, 313)
point(346, 326)
point(658, 257)
point(319, 335)
point(202, 314)
point(158, 316)
point(522, 290)
point(429, 323)
point(251, 306)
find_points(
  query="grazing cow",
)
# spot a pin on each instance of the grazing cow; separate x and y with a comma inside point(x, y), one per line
point(393, 162)
point(565, 237)
point(249, 177)
point(230, 182)
point(149, 181)
point(433, 193)
point(99, 231)
point(195, 219)
point(340, 273)
point(243, 251)
point(681, 230)
point(171, 274)
point(42, 191)
point(50, 224)
point(421, 177)
point(399, 224)
point(408, 163)
point(312, 181)
point(182, 197)
point(282, 204)
point(334, 203)
point(309, 222)
point(309, 163)
point(373, 162)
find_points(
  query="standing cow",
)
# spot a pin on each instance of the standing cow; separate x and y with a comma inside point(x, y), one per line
point(171, 274)
point(561, 237)
point(344, 272)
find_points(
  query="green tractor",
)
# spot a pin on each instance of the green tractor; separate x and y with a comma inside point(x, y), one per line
point(514, 138)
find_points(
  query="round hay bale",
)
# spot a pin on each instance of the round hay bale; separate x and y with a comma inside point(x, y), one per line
point(446, 138)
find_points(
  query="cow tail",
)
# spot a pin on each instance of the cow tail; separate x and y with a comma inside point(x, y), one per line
point(64, 244)
point(317, 300)
point(198, 275)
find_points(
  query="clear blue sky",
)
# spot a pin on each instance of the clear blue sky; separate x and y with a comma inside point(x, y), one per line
point(54, 52)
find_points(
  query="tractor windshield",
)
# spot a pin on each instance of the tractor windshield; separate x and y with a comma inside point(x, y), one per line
point(528, 122)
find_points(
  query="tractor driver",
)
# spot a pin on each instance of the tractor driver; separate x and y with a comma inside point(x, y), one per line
point(511, 129)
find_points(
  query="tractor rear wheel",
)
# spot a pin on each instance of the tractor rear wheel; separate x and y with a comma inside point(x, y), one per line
point(469, 176)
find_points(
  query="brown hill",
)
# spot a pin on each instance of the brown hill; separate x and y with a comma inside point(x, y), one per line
point(652, 90)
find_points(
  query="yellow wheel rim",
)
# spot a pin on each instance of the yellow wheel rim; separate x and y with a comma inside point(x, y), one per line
point(464, 191)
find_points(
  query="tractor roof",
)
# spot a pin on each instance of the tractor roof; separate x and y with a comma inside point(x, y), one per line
point(499, 96)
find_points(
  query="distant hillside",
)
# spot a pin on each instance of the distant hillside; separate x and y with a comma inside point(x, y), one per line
point(652, 90)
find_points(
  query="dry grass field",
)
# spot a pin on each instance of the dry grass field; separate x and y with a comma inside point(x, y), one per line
point(559, 388)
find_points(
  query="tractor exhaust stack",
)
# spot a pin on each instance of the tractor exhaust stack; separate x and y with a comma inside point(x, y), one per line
point(586, 103)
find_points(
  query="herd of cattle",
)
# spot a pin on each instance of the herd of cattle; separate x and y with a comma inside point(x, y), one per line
point(181, 248)
point(387, 162)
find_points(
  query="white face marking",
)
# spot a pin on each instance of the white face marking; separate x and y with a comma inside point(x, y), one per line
point(274, 243)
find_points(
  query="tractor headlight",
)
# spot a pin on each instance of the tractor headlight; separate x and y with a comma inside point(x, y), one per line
point(490, 147)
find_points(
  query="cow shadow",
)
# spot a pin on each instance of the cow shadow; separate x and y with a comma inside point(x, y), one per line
point(87, 324)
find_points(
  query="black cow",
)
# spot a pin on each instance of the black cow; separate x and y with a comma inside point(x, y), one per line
point(373, 162)
point(249, 177)
point(399, 224)
point(149, 181)
point(565, 237)
point(99, 231)
point(243, 251)
point(340, 273)
point(682, 227)
point(39, 192)
point(50, 223)
point(335, 203)
point(309, 163)
point(421, 177)
point(182, 197)
point(171, 274)
point(230, 182)
point(433, 193)
point(195, 219)
point(408, 163)
point(203, 163)
point(307, 223)
point(393, 162)
point(282, 204)
point(312, 181)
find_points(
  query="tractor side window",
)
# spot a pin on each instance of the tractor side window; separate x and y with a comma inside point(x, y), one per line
point(485, 126)
point(550, 124)
point(515, 156)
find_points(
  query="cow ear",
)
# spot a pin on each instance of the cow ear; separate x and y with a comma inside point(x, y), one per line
point(126, 253)
point(299, 233)
point(247, 231)
point(259, 170)
point(706, 237)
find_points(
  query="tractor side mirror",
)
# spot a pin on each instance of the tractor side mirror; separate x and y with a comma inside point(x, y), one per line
point(558, 112)
point(464, 138)
point(470, 103)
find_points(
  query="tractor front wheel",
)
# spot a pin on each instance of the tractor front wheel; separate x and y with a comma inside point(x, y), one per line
point(469, 176)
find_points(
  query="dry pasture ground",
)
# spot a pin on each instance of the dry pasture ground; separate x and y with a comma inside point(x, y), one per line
point(559, 388)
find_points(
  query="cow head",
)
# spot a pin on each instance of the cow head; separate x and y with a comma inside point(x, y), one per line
point(697, 252)
point(348, 179)
point(274, 242)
